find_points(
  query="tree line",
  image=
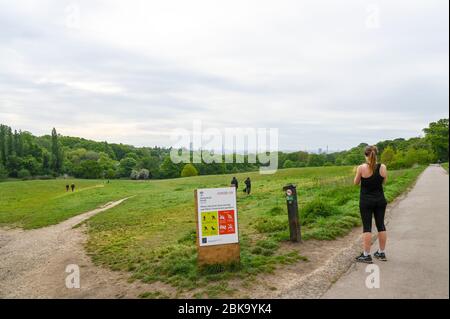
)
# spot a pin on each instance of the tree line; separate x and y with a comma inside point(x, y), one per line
point(23, 155)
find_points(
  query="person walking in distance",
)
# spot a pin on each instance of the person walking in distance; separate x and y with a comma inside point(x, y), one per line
point(72, 187)
point(248, 186)
point(234, 183)
point(371, 176)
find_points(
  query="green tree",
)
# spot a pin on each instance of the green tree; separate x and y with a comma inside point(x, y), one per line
point(288, 164)
point(127, 164)
point(46, 162)
point(3, 172)
point(110, 173)
point(437, 134)
point(315, 160)
point(3, 155)
point(387, 157)
point(57, 154)
point(14, 165)
point(31, 164)
point(169, 169)
point(189, 170)
point(90, 169)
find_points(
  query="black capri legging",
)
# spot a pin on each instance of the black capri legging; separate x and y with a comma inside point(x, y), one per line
point(377, 208)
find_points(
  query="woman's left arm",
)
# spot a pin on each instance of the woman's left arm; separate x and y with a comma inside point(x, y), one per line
point(383, 173)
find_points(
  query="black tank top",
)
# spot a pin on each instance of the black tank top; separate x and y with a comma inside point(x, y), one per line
point(372, 187)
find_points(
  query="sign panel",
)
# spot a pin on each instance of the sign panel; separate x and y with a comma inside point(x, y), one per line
point(217, 216)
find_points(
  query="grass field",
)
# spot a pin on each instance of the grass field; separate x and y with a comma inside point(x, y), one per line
point(152, 235)
point(445, 166)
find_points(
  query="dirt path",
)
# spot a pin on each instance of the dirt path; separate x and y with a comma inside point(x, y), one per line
point(33, 263)
point(417, 249)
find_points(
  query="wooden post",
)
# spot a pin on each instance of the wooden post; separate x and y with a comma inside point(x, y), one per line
point(292, 207)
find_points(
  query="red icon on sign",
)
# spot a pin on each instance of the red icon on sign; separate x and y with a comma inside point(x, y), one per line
point(226, 222)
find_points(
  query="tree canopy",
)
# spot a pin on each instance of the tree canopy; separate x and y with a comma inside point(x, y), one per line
point(23, 155)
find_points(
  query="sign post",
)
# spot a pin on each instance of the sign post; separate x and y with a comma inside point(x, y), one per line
point(292, 207)
point(217, 226)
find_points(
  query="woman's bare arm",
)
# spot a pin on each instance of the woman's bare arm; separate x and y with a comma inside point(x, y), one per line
point(357, 179)
point(383, 172)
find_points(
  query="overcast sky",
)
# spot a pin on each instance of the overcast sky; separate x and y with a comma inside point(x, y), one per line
point(333, 73)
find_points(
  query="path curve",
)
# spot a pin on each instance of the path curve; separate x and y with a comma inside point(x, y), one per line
point(33, 263)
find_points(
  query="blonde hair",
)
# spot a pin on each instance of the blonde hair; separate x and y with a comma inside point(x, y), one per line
point(371, 154)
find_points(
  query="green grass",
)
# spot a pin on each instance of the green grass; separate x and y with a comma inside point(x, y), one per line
point(35, 204)
point(152, 235)
point(445, 166)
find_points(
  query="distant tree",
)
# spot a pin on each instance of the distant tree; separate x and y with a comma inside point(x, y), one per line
point(46, 162)
point(14, 165)
point(169, 169)
point(127, 164)
point(387, 157)
point(57, 154)
point(315, 160)
point(90, 169)
point(3, 154)
point(91, 155)
point(110, 173)
point(31, 164)
point(134, 174)
point(9, 143)
point(437, 133)
point(144, 174)
point(3, 172)
point(288, 164)
point(189, 170)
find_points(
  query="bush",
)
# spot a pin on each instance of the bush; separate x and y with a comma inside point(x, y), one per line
point(189, 170)
point(134, 174)
point(288, 164)
point(141, 174)
point(23, 173)
point(110, 173)
point(318, 208)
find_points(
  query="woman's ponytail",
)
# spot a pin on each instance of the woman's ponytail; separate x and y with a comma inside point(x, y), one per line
point(371, 154)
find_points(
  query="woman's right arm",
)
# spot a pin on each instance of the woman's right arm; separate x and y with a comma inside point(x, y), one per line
point(357, 179)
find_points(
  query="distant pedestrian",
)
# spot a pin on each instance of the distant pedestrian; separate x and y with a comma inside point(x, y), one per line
point(234, 183)
point(73, 187)
point(67, 187)
point(248, 186)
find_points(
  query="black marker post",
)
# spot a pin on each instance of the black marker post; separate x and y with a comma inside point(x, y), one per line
point(292, 207)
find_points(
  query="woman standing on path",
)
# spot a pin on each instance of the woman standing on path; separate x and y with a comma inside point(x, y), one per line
point(371, 176)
